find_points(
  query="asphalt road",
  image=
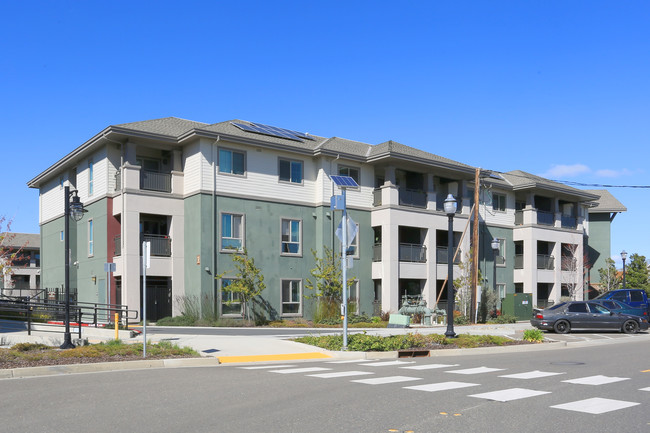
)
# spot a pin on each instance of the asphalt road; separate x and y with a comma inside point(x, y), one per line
point(359, 396)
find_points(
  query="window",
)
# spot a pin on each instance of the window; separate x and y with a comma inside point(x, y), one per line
point(232, 232)
point(230, 302)
point(353, 249)
point(61, 236)
point(499, 202)
point(578, 308)
point(91, 177)
point(232, 162)
point(290, 171)
point(636, 297)
point(291, 297)
point(353, 172)
point(61, 182)
point(501, 258)
point(353, 298)
point(91, 239)
point(291, 236)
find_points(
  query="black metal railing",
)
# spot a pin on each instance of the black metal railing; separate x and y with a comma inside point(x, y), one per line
point(118, 245)
point(545, 218)
point(413, 253)
point(412, 197)
point(441, 256)
point(569, 222)
point(519, 217)
point(161, 245)
point(154, 181)
point(545, 261)
point(376, 253)
point(519, 261)
point(376, 197)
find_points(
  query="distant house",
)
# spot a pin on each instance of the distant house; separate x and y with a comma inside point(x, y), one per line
point(23, 273)
point(201, 192)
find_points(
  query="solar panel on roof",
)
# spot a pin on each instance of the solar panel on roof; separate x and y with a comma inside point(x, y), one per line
point(344, 181)
point(272, 131)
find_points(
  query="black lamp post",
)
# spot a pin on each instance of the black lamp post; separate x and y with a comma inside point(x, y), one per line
point(495, 248)
point(623, 256)
point(75, 209)
point(450, 210)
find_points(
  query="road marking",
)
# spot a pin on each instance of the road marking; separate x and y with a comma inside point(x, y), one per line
point(386, 363)
point(645, 371)
point(477, 370)
point(595, 406)
point(645, 389)
point(259, 367)
point(384, 380)
point(276, 357)
point(347, 361)
point(510, 394)
point(340, 374)
point(300, 370)
point(443, 386)
point(429, 366)
point(535, 374)
point(596, 380)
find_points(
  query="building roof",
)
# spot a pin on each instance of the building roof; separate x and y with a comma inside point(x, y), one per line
point(18, 240)
point(606, 202)
point(521, 180)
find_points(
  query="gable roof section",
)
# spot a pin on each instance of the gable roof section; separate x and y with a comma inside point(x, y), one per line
point(392, 148)
point(606, 202)
point(521, 180)
point(171, 126)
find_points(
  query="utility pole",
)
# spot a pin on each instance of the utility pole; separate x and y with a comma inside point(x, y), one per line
point(475, 245)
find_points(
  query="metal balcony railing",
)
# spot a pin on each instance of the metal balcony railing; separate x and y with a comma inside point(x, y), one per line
point(569, 222)
point(376, 197)
point(519, 261)
point(118, 245)
point(546, 218)
point(154, 181)
point(519, 217)
point(161, 245)
point(412, 197)
point(413, 253)
point(376, 253)
point(441, 256)
point(545, 261)
point(118, 180)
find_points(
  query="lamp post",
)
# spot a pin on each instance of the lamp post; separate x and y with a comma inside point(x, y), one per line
point(623, 256)
point(75, 209)
point(495, 249)
point(450, 210)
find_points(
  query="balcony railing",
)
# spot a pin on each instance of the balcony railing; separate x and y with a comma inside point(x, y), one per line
point(118, 181)
point(376, 253)
point(412, 197)
point(545, 261)
point(546, 218)
point(441, 256)
point(154, 181)
point(519, 261)
point(413, 253)
point(569, 264)
point(519, 217)
point(161, 245)
point(569, 222)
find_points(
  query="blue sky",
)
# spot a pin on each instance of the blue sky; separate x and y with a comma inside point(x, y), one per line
point(555, 88)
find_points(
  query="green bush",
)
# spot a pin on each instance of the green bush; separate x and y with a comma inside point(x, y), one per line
point(461, 320)
point(534, 335)
point(504, 318)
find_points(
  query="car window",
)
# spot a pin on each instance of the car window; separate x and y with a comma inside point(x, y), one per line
point(578, 308)
point(620, 296)
point(599, 309)
point(556, 306)
point(636, 297)
point(611, 304)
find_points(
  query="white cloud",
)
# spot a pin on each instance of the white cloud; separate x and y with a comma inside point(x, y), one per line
point(564, 171)
point(606, 172)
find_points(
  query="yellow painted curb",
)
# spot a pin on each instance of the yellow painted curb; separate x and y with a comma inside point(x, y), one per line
point(280, 357)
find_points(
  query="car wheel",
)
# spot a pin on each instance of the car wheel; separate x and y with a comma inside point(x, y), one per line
point(630, 327)
point(562, 327)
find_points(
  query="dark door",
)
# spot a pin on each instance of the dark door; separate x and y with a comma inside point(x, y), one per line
point(159, 298)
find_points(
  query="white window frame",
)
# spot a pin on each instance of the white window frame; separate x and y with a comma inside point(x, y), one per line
point(496, 202)
point(222, 302)
point(343, 167)
point(355, 289)
point(291, 162)
point(355, 244)
point(290, 301)
point(91, 238)
point(91, 177)
point(242, 229)
point(502, 253)
point(232, 152)
point(283, 242)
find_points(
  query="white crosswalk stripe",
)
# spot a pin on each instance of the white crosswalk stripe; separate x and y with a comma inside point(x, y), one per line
point(385, 380)
point(510, 394)
point(443, 386)
point(300, 370)
point(262, 367)
point(596, 405)
point(477, 370)
point(596, 380)
point(429, 366)
point(340, 374)
point(386, 363)
point(535, 374)
point(347, 361)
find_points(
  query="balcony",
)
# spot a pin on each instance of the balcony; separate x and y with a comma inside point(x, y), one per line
point(161, 245)
point(412, 197)
point(412, 253)
point(519, 217)
point(441, 256)
point(546, 262)
point(519, 261)
point(376, 197)
point(545, 218)
point(376, 253)
point(155, 181)
point(569, 222)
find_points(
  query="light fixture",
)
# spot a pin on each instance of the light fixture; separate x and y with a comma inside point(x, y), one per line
point(450, 205)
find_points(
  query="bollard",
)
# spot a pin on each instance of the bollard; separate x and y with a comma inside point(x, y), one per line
point(116, 326)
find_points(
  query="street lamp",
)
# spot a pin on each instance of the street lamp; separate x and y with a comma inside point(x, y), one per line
point(623, 256)
point(450, 210)
point(495, 248)
point(71, 209)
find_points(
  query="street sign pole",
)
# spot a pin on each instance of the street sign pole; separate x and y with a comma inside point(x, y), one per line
point(344, 272)
point(145, 264)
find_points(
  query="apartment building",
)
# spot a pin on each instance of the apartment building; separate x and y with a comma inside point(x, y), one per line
point(22, 274)
point(202, 192)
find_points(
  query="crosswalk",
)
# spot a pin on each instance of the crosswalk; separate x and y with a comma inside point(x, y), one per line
point(373, 373)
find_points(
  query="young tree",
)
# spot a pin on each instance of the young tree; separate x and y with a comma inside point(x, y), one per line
point(463, 285)
point(248, 281)
point(609, 278)
point(327, 284)
point(570, 269)
point(636, 273)
point(8, 252)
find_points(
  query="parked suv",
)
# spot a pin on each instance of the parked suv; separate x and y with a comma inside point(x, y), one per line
point(633, 297)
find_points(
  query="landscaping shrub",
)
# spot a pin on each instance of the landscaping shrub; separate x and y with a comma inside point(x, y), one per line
point(534, 335)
